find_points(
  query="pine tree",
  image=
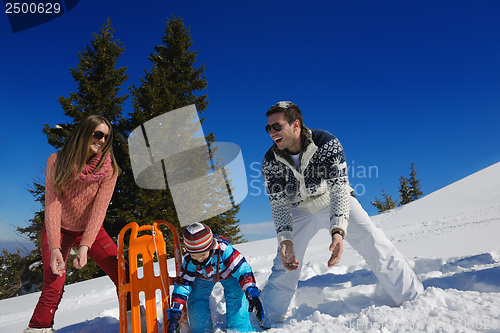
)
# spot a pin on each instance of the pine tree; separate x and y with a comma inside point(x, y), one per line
point(10, 274)
point(32, 276)
point(415, 191)
point(404, 191)
point(172, 82)
point(98, 81)
point(409, 190)
point(386, 204)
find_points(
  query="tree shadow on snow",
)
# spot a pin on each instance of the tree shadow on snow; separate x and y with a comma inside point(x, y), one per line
point(362, 276)
point(353, 302)
point(426, 265)
point(461, 275)
point(96, 325)
point(485, 280)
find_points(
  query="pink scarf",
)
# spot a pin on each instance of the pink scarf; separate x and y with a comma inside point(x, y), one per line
point(88, 173)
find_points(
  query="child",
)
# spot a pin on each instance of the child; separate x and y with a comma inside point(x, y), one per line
point(209, 260)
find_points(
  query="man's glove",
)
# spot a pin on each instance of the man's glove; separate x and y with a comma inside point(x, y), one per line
point(254, 303)
point(174, 318)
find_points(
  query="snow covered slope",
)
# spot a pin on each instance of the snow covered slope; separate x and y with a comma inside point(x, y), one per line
point(450, 238)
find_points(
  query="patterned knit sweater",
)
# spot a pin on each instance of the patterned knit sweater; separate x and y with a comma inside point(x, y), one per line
point(321, 181)
point(230, 262)
point(81, 206)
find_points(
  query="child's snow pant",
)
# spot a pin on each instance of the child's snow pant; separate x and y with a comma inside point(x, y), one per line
point(198, 306)
point(103, 251)
point(387, 263)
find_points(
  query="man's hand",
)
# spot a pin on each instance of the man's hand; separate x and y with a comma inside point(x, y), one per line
point(288, 256)
point(81, 257)
point(337, 248)
point(57, 262)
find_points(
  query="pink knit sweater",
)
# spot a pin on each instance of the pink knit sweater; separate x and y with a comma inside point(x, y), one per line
point(81, 206)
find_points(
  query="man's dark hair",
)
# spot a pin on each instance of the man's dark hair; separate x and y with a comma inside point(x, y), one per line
point(290, 110)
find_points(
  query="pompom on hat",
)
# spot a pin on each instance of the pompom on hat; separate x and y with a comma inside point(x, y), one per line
point(198, 238)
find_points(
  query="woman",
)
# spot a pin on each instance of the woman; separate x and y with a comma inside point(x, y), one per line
point(80, 180)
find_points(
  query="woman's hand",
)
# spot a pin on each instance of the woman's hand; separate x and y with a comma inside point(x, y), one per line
point(57, 262)
point(81, 257)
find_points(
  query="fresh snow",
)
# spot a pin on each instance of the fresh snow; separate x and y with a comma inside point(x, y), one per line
point(449, 237)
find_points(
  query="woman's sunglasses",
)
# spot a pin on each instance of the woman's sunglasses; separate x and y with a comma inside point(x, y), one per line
point(98, 135)
point(276, 126)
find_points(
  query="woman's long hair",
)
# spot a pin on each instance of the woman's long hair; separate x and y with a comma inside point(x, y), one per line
point(73, 156)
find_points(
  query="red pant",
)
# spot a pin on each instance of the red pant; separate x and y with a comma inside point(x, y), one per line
point(103, 251)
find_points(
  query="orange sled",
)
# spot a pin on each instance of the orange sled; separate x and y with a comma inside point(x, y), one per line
point(150, 250)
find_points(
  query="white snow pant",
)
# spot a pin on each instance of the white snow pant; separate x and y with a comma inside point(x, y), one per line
point(387, 263)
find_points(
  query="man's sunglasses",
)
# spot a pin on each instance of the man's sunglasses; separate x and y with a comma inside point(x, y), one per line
point(98, 135)
point(276, 126)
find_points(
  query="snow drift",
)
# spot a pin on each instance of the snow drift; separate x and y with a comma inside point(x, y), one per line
point(449, 237)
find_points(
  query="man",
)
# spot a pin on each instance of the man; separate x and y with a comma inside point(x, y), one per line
point(305, 172)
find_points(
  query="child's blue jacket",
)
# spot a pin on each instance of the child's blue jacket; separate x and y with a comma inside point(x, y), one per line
point(230, 263)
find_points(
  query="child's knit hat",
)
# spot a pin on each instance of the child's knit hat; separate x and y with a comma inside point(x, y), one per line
point(198, 238)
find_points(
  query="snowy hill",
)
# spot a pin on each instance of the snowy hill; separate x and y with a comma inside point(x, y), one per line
point(449, 237)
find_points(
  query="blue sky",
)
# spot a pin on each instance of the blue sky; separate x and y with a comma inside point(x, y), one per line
point(396, 81)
